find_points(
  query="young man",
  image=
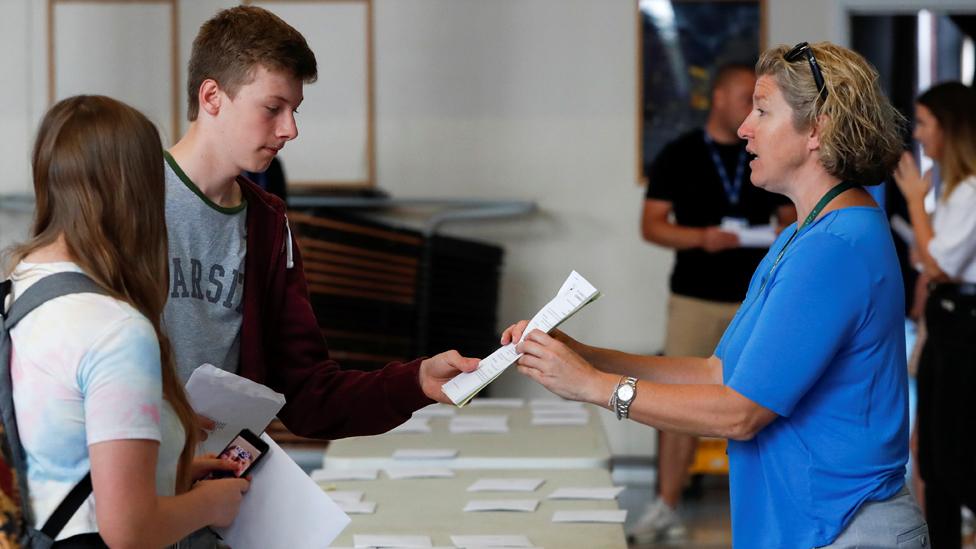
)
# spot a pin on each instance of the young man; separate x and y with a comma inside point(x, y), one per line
point(238, 297)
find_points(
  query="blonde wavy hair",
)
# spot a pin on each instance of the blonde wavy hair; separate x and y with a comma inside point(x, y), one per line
point(860, 132)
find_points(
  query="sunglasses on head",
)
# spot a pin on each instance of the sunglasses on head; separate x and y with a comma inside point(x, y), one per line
point(803, 50)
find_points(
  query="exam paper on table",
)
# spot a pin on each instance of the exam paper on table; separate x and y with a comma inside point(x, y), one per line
point(542, 405)
point(596, 515)
point(345, 496)
point(478, 424)
point(587, 493)
point(506, 485)
point(400, 473)
point(425, 453)
point(436, 410)
point(571, 420)
point(521, 505)
point(283, 508)
point(233, 402)
point(574, 294)
point(414, 425)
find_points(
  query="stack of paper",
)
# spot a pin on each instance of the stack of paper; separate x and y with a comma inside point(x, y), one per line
point(400, 473)
point(574, 294)
point(479, 424)
point(425, 453)
point(357, 507)
point(345, 496)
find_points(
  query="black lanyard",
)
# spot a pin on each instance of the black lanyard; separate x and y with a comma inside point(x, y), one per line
point(733, 188)
point(831, 194)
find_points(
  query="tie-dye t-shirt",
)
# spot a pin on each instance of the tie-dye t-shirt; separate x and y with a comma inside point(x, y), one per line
point(85, 370)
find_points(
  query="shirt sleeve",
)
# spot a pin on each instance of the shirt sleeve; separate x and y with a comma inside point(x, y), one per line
point(661, 176)
point(121, 381)
point(954, 249)
point(816, 303)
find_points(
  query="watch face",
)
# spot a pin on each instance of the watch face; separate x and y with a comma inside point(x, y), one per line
point(625, 393)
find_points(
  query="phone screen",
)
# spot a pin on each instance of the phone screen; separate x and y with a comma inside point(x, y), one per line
point(243, 453)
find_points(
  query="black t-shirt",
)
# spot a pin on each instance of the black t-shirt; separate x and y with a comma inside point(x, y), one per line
point(685, 175)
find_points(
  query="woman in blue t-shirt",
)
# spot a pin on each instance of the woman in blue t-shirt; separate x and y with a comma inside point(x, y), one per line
point(809, 381)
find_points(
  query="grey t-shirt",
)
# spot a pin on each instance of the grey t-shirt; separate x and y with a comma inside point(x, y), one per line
point(207, 244)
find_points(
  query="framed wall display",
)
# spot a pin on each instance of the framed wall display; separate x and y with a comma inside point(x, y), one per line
point(682, 44)
point(126, 49)
point(335, 149)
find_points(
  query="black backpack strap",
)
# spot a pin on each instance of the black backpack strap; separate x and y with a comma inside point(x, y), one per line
point(49, 287)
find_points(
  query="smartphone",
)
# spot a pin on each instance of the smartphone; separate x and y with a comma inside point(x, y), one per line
point(245, 450)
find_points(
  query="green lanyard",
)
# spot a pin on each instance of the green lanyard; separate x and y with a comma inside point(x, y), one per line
point(831, 194)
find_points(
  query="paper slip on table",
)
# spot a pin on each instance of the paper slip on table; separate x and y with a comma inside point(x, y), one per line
point(433, 507)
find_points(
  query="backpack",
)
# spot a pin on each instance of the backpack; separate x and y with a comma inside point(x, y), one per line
point(15, 513)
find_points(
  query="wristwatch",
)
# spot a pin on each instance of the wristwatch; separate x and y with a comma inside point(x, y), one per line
point(623, 396)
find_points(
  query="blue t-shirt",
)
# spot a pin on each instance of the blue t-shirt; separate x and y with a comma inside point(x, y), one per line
point(822, 345)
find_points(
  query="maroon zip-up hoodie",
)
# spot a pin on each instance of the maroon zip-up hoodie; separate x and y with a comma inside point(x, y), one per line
point(283, 347)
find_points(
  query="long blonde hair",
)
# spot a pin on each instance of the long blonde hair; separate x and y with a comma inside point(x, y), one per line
point(953, 104)
point(98, 180)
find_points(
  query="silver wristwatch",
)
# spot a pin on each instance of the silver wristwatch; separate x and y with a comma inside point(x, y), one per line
point(623, 396)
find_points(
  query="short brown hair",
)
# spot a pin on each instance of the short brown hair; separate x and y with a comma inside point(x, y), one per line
point(233, 42)
point(860, 138)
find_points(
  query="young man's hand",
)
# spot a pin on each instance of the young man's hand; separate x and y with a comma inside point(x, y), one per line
point(439, 369)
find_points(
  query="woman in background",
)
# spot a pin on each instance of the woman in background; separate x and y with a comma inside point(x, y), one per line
point(945, 244)
point(94, 386)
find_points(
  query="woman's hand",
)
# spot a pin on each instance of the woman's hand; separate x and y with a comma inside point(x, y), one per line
point(225, 496)
point(208, 463)
point(513, 333)
point(910, 182)
point(559, 369)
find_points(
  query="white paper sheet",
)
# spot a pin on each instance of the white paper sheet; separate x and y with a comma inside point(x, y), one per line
point(425, 453)
point(595, 515)
point(574, 294)
point(587, 493)
point(750, 236)
point(506, 485)
point(400, 473)
point(478, 424)
point(521, 505)
point(497, 402)
point(573, 420)
point(233, 402)
point(283, 508)
point(491, 541)
point(367, 540)
point(330, 475)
